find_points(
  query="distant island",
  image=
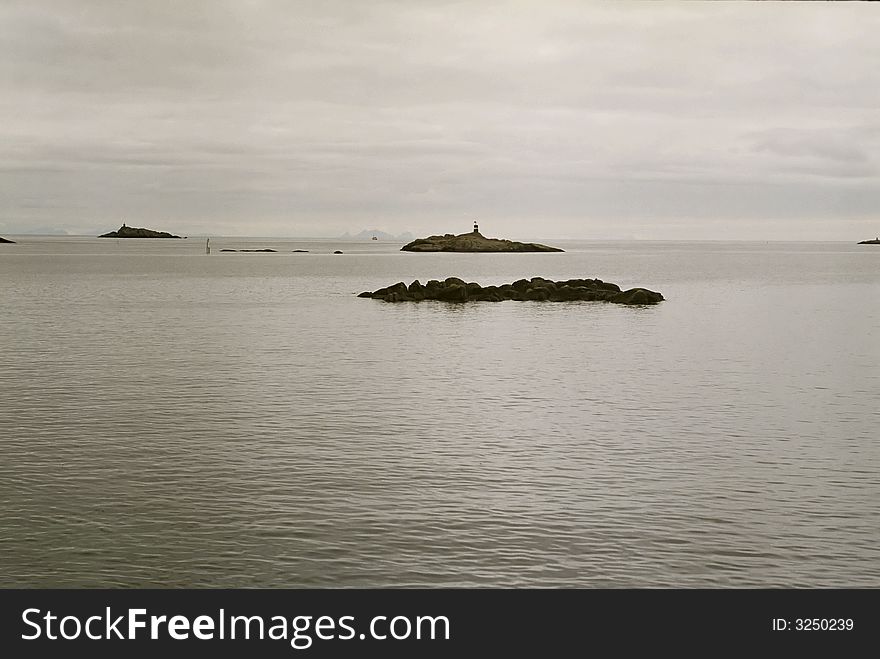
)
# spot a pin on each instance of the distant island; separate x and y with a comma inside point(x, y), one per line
point(537, 289)
point(375, 234)
point(4, 240)
point(472, 242)
point(135, 232)
point(876, 241)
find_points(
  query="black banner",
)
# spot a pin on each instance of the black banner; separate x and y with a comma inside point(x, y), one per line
point(342, 622)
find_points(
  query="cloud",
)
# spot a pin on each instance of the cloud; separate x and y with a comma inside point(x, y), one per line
point(812, 144)
point(320, 116)
point(835, 152)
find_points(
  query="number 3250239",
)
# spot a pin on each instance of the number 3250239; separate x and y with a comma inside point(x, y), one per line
point(823, 624)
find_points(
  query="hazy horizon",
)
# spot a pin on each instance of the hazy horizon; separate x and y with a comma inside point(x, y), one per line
point(354, 238)
point(703, 121)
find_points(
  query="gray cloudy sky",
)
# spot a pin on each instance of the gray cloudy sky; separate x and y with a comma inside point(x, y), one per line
point(541, 119)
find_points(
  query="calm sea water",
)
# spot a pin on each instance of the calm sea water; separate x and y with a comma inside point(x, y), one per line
point(169, 418)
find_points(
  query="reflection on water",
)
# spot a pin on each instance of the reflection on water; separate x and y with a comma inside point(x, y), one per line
point(171, 419)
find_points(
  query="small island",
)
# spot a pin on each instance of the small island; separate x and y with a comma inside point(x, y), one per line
point(876, 241)
point(5, 240)
point(472, 242)
point(537, 289)
point(135, 232)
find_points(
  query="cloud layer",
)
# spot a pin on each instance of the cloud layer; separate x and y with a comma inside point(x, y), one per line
point(655, 120)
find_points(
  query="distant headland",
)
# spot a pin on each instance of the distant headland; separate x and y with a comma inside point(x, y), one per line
point(876, 241)
point(472, 242)
point(5, 240)
point(135, 232)
point(536, 289)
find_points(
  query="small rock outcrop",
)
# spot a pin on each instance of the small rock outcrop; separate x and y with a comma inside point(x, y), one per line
point(135, 232)
point(538, 289)
point(876, 241)
point(6, 240)
point(265, 249)
point(472, 242)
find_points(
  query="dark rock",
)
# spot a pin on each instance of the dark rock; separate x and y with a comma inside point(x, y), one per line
point(228, 250)
point(876, 241)
point(537, 294)
point(566, 293)
point(594, 295)
point(453, 293)
point(337, 252)
point(399, 287)
point(6, 240)
point(607, 286)
point(416, 292)
point(487, 294)
point(300, 251)
point(637, 296)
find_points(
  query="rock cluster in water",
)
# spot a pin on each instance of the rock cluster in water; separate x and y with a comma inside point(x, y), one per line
point(472, 242)
point(454, 289)
point(6, 240)
point(135, 232)
point(876, 241)
point(265, 249)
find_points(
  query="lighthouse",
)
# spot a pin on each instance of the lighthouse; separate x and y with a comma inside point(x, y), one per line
point(476, 227)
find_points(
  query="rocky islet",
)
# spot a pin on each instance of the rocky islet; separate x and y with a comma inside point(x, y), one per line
point(537, 289)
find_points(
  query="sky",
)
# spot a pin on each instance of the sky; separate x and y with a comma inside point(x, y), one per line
point(539, 119)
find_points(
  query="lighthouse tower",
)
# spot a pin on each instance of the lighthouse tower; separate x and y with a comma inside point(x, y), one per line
point(476, 227)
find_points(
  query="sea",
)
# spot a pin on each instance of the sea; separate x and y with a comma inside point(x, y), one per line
point(171, 418)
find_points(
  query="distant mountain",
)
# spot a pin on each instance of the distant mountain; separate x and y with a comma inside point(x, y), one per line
point(367, 234)
point(35, 231)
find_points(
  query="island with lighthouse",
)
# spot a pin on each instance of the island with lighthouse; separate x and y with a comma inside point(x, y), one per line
point(473, 241)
